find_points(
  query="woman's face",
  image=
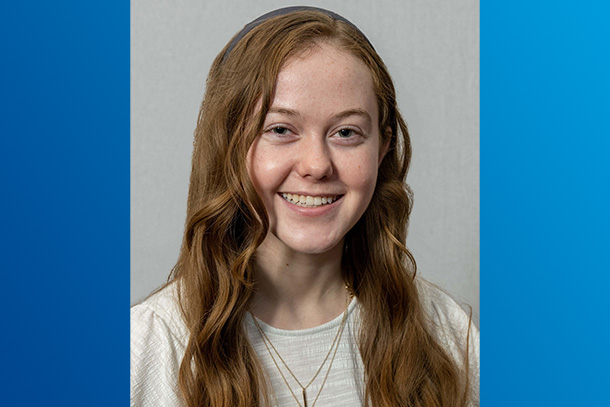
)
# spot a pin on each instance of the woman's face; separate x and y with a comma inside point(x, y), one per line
point(315, 163)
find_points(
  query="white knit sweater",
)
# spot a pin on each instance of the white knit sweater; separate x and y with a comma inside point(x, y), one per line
point(158, 339)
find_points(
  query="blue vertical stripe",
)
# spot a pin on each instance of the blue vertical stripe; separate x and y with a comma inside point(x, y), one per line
point(545, 224)
point(65, 203)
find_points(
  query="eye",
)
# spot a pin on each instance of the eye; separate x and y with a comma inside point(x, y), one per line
point(348, 136)
point(345, 133)
point(279, 133)
point(279, 130)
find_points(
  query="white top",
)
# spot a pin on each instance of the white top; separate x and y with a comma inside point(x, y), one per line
point(159, 337)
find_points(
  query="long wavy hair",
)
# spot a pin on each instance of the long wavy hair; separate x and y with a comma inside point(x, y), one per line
point(227, 221)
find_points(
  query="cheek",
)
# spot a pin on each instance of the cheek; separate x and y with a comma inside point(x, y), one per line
point(254, 172)
point(251, 170)
point(265, 171)
point(369, 181)
point(362, 173)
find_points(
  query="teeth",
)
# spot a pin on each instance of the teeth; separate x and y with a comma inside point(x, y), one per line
point(308, 201)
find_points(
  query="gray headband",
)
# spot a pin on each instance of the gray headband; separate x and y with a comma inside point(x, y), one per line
point(283, 11)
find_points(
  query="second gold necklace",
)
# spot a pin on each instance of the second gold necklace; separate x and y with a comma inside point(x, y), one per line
point(335, 345)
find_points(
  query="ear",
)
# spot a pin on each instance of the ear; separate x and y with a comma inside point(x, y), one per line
point(383, 149)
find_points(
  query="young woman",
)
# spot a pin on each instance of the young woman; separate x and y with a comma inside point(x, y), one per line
point(294, 286)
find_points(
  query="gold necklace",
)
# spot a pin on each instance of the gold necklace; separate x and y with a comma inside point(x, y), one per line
point(336, 341)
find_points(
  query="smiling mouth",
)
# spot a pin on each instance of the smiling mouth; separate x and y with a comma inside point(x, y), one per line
point(308, 201)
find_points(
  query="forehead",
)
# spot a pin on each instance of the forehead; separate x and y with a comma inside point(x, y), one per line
point(325, 78)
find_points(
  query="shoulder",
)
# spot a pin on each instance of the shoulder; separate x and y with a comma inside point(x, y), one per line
point(453, 328)
point(158, 339)
point(442, 310)
point(160, 311)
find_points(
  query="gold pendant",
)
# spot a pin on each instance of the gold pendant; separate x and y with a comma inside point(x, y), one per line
point(304, 398)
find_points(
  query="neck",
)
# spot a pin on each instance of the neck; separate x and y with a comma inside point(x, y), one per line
point(297, 290)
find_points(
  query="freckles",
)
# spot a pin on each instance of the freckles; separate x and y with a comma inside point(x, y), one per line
point(268, 166)
point(362, 165)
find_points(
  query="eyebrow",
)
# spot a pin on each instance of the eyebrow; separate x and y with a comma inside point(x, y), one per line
point(341, 115)
point(282, 110)
point(354, 112)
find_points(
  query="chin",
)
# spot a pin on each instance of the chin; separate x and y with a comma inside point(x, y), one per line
point(312, 245)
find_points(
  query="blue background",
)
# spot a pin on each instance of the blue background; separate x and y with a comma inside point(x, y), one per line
point(545, 223)
point(64, 210)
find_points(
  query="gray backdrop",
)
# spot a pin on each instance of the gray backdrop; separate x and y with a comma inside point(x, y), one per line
point(431, 48)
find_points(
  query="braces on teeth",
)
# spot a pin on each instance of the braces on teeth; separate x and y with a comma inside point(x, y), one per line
point(309, 201)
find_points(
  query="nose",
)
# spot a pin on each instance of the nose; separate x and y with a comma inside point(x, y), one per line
point(314, 159)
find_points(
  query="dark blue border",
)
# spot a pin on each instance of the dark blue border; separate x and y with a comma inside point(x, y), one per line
point(64, 172)
point(545, 224)
point(64, 168)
